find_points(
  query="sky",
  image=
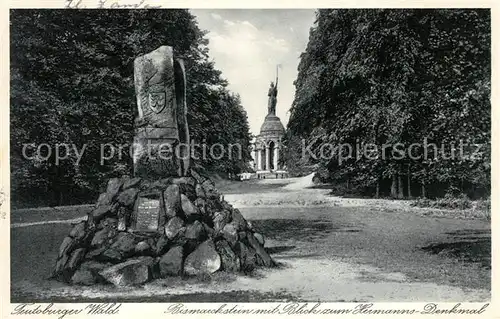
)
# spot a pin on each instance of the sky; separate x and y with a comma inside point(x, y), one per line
point(247, 45)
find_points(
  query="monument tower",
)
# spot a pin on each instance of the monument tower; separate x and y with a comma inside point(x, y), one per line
point(268, 143)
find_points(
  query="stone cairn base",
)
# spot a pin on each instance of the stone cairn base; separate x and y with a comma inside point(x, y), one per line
point(198, 233)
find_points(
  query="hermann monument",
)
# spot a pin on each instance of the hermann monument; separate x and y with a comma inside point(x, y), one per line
point(267, 145)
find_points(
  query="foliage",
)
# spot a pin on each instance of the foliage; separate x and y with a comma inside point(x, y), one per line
point(72, 82)
point(383, 77)
point(448, 202)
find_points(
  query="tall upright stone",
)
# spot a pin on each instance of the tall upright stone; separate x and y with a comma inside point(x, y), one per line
point(161, 129)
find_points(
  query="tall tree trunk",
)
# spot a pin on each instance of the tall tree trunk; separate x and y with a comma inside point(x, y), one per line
point(423, 190)
point(394, 186)
point(377, 191)
point(400, 187)
point(408, 176)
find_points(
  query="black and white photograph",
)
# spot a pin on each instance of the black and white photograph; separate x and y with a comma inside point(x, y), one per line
point(284, 156)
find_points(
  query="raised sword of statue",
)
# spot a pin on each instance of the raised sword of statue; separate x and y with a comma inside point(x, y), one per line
point(273, 94)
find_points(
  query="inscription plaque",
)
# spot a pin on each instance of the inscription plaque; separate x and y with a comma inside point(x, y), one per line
point(147, 212)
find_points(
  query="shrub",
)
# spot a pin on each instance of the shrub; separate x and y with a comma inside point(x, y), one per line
point(448, 202)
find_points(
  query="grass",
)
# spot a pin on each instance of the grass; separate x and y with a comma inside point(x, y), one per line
point(455, 207)
point(246, 187)
point(442, 251)
point(448, 202)
point(391, 239)
point(33, 215)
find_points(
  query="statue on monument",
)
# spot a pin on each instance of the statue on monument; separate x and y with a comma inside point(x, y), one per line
point(273, 95)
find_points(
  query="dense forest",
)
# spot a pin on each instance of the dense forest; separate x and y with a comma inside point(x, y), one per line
point(387, 77)
point(72, 82)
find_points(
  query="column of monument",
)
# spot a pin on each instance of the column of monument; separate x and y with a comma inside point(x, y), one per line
point(268, 158)
point(275, 158)
point(257, 159)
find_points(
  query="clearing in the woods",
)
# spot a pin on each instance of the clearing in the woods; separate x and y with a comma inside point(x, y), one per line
point(330, 249)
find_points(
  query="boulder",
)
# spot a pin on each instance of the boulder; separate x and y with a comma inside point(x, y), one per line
point(83, 277)
point(230, 233)
point(215, 205)
point(100, 212)
point(264, 258)
point(185, 180)
point(208, 230)
point(110, 255)
point(238, 220)
point(173, 227)
point(191, 211)
point(202, 206)
point(172, 199)
point(108, 222)
point(226, 206)
point(197, 176)
point(195, 231)
point(88, 273)
point(76, 258)
point(180, 240)
point(161, 184)
point(94, 266)
point(96, 252)
point(78, 231)
point(60, 266)
point(133, 182)
point(103, 200)
point(200, 191)
point(113, 187)
point(123, 216)
point(250, 226)
point(170, 264)
point(259, 238)
point(101, 237)
point(66, 246)
point(210, 190)
point(229, 260)
point(186, 186)
point(142, 248)
point(242, 235)
point(131, 272)
point(125, 244)
point(162, 245)
point(248, 257)
point(203, 260)
point(145, 185)
point(221, 218)
point(151, 242)
point(127, 197)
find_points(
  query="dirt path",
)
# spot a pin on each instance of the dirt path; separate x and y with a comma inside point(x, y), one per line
point(365, 249)
point(330, 249)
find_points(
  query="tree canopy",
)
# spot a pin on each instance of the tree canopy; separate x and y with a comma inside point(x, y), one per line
point(72, 82)
point(385, 76)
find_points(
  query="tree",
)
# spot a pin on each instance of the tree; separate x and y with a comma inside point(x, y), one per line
point(72, 82)
point(389, 77)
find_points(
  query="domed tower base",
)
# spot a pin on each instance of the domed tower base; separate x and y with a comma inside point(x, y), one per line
point(266, 150)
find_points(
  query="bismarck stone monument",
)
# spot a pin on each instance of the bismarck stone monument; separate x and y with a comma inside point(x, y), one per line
point(167, 220)
point(161, 125)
